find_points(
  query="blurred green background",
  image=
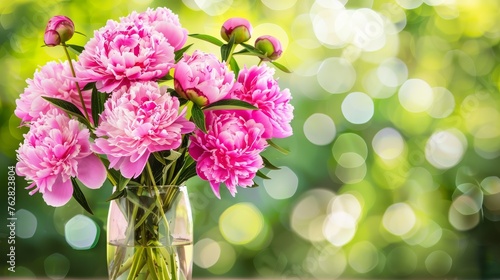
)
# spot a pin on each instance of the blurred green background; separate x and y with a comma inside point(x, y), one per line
point(394, 163)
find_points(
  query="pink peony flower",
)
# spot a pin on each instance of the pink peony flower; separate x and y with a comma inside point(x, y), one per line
point(202, 78)
point(270, 46)
point(136, 122)
point(260, 89)
point(55, 149)
point(123, 52)
point(164, 21)
point(59, 29)
point(52, 80)
point(229, 152)
point(240, 28)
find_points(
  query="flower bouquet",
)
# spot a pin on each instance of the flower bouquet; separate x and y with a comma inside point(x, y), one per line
point(138, 107)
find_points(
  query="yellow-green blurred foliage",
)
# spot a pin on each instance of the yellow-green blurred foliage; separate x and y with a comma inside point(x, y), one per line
point(394, 164)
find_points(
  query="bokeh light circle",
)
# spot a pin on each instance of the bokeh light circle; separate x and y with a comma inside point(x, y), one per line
point(283, 185)
point(207, 253)
point(56, 266)
point(309, 212)
point(388, 143)
point(241, 223)
point(214, 7)
point(392, 72)
point(416, 95)
point(438, 263)
point(443, 105)
point(357, 107)
point(363, 257)
point(410, 4)
point(279, 4)
point(81, 232)
point(319, 129)
point(336, 75)
point(27, 225)
point(445, 148)
point(399, 219)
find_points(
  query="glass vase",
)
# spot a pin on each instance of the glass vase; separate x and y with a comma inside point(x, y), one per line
point(150, 234)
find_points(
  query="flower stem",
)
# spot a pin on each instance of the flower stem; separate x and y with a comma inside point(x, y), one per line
point(76, 83)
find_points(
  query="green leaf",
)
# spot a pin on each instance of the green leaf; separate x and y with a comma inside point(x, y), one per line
point(227, 49)
point(75, 48)
point(180, 53)
point(80, 197)
point(207, 38)
point(89, 86)
point(117, 194)
point(230, 104)
point(277, 147)
point(262, 175)
point(97, 101)
point(159, 158)
point(198, 117)
point(281, 67)
point(69, 108)
point(269, 165)
point(186, 173)
point(234, 66)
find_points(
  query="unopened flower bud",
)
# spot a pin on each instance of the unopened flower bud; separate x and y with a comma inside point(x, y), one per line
point(51, 38)
point(270, 46)
point(240, 28)
point(63, 26)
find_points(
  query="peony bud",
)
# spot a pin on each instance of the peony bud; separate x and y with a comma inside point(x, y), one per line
point(51, 38)
point(61, 25)
point(240, 28)
point(270, 46)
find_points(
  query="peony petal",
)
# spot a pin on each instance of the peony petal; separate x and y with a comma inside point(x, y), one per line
point(61, 193)
point(215, 188)
point(91, 172)
point(134, 169)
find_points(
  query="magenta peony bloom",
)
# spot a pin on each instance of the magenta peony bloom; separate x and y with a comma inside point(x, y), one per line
point(164, 21)
point(123, 52)
point(260, 89)
point(59, 30)
point(229, 152)
point(52, 80)
point(55, 149)
point(202, 78)
point(136, 122)
point(270, 46)
point(240, 28)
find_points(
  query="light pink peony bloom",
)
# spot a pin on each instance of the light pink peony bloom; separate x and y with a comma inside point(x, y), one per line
point(55, 149)
point(164, 21)
point(136, 122)
point(52, 80)
point(123, 52)
point(202, 78)
point(229, 152)
point(261, 89)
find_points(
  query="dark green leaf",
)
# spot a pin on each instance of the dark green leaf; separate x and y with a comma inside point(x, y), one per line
point(69, 108)
point(198, 117)
point(207, 38)
point(75, 48)
point(98, 99)
point(277, 147)
point(117, 194)
point(262, 175)
point(89, 86)
point(180, 53)
point(230, 104)
point(227, 49)
point(281, 67)
point(269, 165)
point(80, 197)
point(234, 66)
point(187, 173)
